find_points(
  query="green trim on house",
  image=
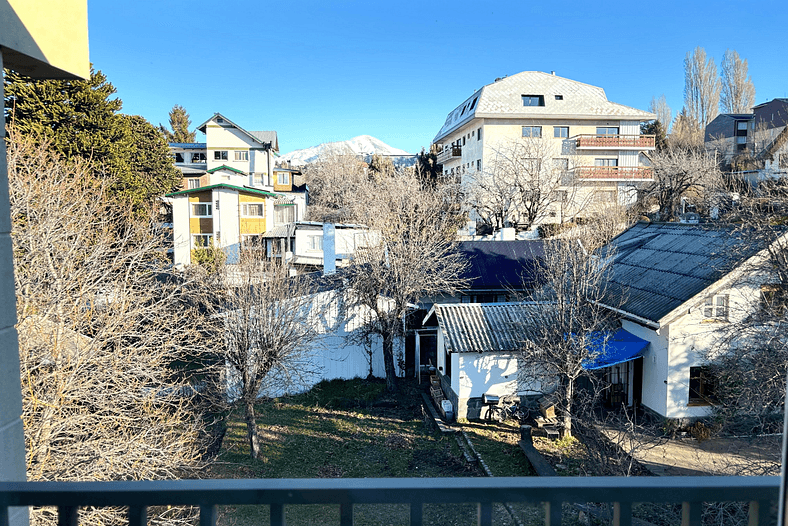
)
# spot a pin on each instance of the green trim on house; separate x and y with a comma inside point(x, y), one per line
point(225, 167)
point(228, 186)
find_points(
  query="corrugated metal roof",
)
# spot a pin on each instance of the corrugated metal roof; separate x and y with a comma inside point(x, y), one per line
point(188, 145)
point(659, 266)
point(482, 327)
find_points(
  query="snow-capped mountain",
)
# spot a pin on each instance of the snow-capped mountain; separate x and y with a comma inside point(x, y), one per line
point(363, 145)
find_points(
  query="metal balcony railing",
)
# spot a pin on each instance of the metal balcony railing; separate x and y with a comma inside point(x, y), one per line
point(760, 492)
point(614, 173)
point(450, 152)
point(616, 142)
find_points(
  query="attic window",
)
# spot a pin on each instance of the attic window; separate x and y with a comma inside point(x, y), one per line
point(559, 97)
point(473, 103)
point(533, 100)
point(219, 120)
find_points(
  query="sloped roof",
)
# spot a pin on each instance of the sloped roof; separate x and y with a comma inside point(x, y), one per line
point(227, 186)
point(261, 137)
point(503, 99)
point(188, 145)
point(225, 167)
point(482, 327)
point(501, 265)
point(659, 266)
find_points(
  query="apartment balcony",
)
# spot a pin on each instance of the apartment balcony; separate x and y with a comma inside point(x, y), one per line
point(615, 142)
point(614, 173)
point(760, 493)
point(449, 153)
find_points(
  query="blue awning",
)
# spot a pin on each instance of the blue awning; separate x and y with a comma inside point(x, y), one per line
point(611, 349)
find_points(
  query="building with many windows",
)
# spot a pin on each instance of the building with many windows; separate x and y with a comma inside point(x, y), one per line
point(577, 150)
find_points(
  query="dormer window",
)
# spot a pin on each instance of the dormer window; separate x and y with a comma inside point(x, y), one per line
point(533, 100)
point(219, 120)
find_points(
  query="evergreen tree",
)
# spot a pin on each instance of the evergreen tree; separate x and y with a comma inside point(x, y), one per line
point(179, 123)
point(657, 129)
point(80, 119)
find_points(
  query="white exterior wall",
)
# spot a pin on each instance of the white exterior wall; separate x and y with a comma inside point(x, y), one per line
point(655, 365)
point(226, 225)
point(180, 230)
point(479, 373)
point(226, 138)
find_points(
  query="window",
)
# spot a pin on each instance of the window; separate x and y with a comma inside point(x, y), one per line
point(463, 141)
point(251, 241)
point(253, 210)
point(561, 131)
point(532, 165)
point(283, 178)
point(314, 242)
point(202, 240)
point(202, 210)
point(559, 97)
point(479, 134)
point(473, 133)
point(605, 162)
point(607, 130)
point(716, 308)
point(479, 164)
point(198, 157)
point(473, 103)
point(219, 120)
point(220, 155)
point(178, 157)
point(533, 100)
point(532, 131)
point(560, 164)
point(284, 214)
point(701, 386)
point(242, 156)
point(194, 183)
point(257, 179)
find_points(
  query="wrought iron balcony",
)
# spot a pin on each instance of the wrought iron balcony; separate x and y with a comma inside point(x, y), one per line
point(449, 153)
point(761, 493)
point(614, 173)
point(616, 142)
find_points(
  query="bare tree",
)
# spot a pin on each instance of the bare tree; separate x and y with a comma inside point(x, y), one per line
point(567, 326)
point(680, 172)
point(701, 87)
point(659, 106)
point(524, 182)
point(738, 91)
point(333, 182)
point(101, 331)
point(411, 256)
point(269, 324)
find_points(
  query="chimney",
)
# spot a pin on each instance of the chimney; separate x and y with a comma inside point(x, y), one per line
point(329, 249)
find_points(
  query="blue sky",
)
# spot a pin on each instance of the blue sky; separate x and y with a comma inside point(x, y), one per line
point(328, 71)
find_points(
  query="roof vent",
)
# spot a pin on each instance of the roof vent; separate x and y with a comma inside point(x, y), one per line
point(552, 73)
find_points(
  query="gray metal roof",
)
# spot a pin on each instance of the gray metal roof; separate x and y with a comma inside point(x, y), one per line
point(659, 266)
point(482, 327)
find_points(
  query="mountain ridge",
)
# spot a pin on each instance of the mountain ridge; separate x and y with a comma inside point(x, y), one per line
point(363, 145)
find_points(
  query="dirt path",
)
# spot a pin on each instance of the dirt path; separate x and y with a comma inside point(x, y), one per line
point(716, 456)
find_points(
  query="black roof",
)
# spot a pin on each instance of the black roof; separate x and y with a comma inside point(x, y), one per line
point(501, 265)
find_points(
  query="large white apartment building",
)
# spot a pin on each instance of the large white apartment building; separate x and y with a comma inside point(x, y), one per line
point(586, 151)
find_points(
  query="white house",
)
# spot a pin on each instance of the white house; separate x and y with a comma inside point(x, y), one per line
point(681, 287)
point(587, 150)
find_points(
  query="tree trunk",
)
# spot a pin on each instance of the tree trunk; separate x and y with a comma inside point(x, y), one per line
point(570, 386)
point(251, 429)
point(388, 361)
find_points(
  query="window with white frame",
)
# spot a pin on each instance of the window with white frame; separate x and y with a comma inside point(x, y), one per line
point(284, 213)
point(202, 240)
point(258, 179)
point(194, 182)
point(607, 130)
point(314, 243)
point(715, 308)
point(561, 164)
point(242, 155)
point(253, 209)
point(532, 131)
point(202, 210)
point(605, 162)
point(561, 131)
point(533, 100)
point(198, 157)
point(220, 155)
point(283, 178)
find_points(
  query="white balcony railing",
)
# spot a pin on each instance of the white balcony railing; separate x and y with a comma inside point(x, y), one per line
point(761, 493)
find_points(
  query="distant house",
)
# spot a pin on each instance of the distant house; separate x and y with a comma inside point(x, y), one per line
point(680, 287)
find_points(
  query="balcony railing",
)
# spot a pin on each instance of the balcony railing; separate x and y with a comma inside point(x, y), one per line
point(760, 493)
point(616, 142)
point(614, 173)
point(450, 152)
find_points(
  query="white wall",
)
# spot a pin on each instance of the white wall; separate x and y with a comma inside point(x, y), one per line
point(180, 229)
point(479, 373)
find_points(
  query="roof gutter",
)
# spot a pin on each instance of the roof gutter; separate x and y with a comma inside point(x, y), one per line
point(633, 317)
